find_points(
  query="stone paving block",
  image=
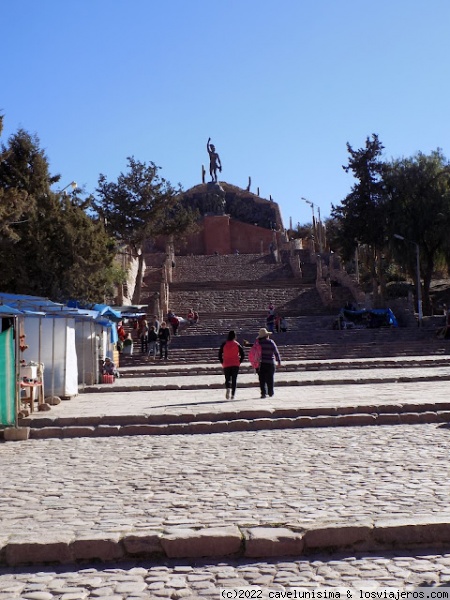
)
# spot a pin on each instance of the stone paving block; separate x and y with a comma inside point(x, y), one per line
point(42, 422)
point(288, 413)
point(443, 416)
point(256, 414)
point(357, 420)
point(390, 408)
point(141, 429)
point(63, 421)
point(159, 419)
point(207, 417)
point(208, 542)
point(46, 432)
point(144, 544)
point(303, 422)
point(201, 427)
point(323, 421)
point(399, 533)
point(319, 412)
point(16, 434)
point(367, 409)
point(51, 549)
point(177, 428)
point(260, 424)
point(220, 426)
point(73, 432)
point(337, 536)
point(282, 423)
point(409, 418)
point(107, 430)
point(387, 419)
point(83, 421)
point(240, 425)
point(269, 542)
point(428, 417)
point(97, 548)
point(119, 419)
point(226, 415)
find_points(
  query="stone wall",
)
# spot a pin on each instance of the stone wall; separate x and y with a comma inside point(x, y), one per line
point(225, 235)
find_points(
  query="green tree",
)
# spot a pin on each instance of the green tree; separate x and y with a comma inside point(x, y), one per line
point(55, 249)
point(419, 192)
point(24, 178)
point(139, 205)
point(360, 218)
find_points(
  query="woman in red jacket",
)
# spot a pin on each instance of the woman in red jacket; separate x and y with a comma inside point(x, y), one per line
point(231, 354)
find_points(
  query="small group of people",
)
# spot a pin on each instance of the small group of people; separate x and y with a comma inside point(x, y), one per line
point(125, 341)
point(147, 332)
point(192, 317)
point(155, 337)
point(274, 321)
point(231, 355)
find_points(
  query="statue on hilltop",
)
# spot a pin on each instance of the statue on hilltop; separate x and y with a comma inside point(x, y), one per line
point(214, 161)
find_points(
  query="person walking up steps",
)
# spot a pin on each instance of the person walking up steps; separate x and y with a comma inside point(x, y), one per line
point(231, 354)
point(269, 354)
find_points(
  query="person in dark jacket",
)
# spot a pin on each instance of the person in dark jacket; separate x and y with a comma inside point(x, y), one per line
point(231, 354)
point(269, 355)
point(164, 339)
point(152, 339)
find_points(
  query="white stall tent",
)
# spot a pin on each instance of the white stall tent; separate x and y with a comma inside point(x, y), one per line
point(93, 337)
point(70, 342)
point(51, 341)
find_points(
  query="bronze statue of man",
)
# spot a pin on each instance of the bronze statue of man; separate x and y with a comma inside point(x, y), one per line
point(214, 161)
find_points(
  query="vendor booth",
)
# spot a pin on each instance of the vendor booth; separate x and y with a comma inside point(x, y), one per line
point(365, 319)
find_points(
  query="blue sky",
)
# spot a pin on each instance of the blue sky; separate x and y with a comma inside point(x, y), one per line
point(280, 87)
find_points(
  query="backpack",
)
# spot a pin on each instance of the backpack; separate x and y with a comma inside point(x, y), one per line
point(230, 354)
point(254, 356)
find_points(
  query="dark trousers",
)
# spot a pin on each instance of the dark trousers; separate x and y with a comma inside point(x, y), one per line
point(231, 374)
point(162, 349)
point(266, 374)
point(144, 343)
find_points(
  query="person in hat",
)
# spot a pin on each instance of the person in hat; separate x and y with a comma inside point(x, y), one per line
point(269, 356)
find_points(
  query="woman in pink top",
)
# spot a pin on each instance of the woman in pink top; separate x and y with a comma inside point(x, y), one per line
point(231, 354)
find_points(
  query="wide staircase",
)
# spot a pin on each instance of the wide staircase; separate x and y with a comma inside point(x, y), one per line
point(234, 291)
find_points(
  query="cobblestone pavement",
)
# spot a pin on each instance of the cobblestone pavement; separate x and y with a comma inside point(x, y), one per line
point(117, 485)
point(79, 488)
point(204, 580)
point(199, 401)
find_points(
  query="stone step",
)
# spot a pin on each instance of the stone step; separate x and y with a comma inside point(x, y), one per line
point(236, 420)
point(158, 369)
point(233, 542)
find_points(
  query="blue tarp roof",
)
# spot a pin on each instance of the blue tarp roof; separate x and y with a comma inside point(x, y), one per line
point(8, 310)
point(35, 305)
point(107, 311)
